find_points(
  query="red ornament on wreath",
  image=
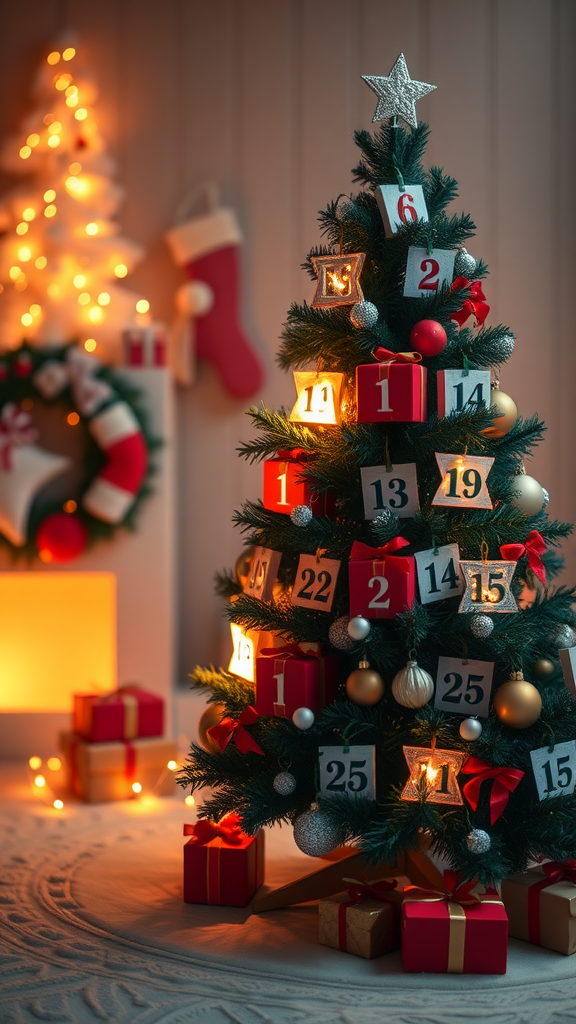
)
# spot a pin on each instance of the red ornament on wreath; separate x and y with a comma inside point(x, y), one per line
point(428, 337)
point(61, 537)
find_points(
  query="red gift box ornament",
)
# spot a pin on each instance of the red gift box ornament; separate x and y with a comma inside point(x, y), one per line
point(230, 727)
point(475, 305)
point(534, 547)
point(222, 865)
point(280, 693)
point(554, 872)
point(505, 782)
point(394, 390)
point(358, 893)
point(387, 586)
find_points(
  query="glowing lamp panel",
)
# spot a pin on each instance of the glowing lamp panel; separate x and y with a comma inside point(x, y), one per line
point(57, 637)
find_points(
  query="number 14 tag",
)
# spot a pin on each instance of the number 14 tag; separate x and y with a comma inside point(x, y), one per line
point(554, 772)
point(438, 575)
point(351, 773)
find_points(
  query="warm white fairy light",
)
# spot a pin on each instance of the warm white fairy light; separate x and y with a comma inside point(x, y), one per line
point(35, 762)
point(189, 800)
point(136, 787)
point(172, 765)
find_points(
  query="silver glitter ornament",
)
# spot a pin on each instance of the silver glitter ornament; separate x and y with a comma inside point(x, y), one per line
point(303, 718)
point(301, 515)
point(364, 314)
point(470, 729)
point(464, 264)
point(563, 636)
point(315, 834)
point(387, 521)
point(284, 783)
point(397, 93)
point(478, 841)
point(546, 496)
point(359, 627)
point(344, 208)
point(502, 350)
point(481, 626)
point(339, 636)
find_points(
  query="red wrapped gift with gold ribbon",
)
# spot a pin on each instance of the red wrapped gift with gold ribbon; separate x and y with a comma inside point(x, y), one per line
point(541, 905)
point(364, 920)
point(290, 677)
point(285, 487)
point(126, 714)
point(222, 865)
point(382, 583)
point(453, 930)
point(393, 389)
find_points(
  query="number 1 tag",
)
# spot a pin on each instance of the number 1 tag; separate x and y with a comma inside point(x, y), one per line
point(396, 489)
point(463, 687)
point(351, 774)
point(427, 272)
point(399, 208)
point(262, 575)
point(438, 573)
point(315, 583)
point(554, 772)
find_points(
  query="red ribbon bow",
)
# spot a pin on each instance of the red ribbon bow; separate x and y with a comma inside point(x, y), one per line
point(360, 550)
point(558, 872)
point(384, 355)
point(359, 891)
point(230, 727)
point(534, 547)
point(454, 891)
point(295, 454)
point(288, 651)
point(15, 429)
point(473, 306)
point(505, 782)
point(204, 831)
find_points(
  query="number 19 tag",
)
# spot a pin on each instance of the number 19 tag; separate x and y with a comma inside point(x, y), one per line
point(348, 774)
point(463, 481)
point(555, 772)
point(397, 489)
point(315, 583)
point(438, 575)
point(463, 687)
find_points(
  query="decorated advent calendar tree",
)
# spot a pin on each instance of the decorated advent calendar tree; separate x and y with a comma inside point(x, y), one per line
point(399, 599)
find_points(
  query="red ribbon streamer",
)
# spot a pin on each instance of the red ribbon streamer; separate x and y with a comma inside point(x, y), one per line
point(230, 727)
point(454, 890)
point(295, 454)
point(362, 551)
point(384, 355)
point(534, 547)
point(358, 894)
point(475, 305)
point(204, 831)
point(554, 871)
point(505, 782)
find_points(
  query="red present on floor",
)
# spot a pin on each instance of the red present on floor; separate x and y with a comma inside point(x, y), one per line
point(289, 677)
point(222, 865)
point(454, 930)
point(145, 346)
point(382, 584)
point(285, 488)
point(393, 389)
point(126, 714)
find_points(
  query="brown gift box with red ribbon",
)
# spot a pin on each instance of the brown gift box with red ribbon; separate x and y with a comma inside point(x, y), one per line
point(126, 714)
point(382, 583)
point(100, 772)
point(393, 389)
point(541, 906)
point(222, 865)
point(364, 920)
point(289, 677)
point(285, 487)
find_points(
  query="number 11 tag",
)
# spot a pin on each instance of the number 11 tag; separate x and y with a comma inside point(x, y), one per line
point(555, 772)
point(348, 774)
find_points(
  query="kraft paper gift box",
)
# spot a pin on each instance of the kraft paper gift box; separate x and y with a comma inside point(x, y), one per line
point(101, 772)
point(392, 391)
point(126, 714)
point(541, 906)
point(285, 487)
point(394, 576)
point(364, 920)
point(222, 865)
point(288, 678)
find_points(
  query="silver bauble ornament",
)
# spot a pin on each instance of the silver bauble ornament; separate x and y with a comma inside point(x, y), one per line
point(315, 834)
point(481, 626)
point(359, 627)
point(464, 264)
point(364, 314)
point(303, 718)
point(284, 783)
point(527, 494)
point(344, 208)
point(339, 636)
point(502, 349)
point(478, 841)
point(470, 729)
point(412, 686)
point(302, 515)
point(546, 496)
point(563, 636)
point(386, 521)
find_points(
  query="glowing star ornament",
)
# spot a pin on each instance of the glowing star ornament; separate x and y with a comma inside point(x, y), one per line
point(338, 279)
point(433, 775)
point(318, 398)
point(463, 481)
point(488, 587)
point(242, 662)
point(397, 93)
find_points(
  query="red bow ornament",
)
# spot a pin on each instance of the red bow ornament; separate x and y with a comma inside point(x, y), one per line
point(534, 547)
point(385, 355)
point(230, 727)
point(556, 871)
point(204, 831)
point(15, 429)
point(295, 455)
point(475, 305)
point(360, 891)
point(454, 891)
point(362, 551)
point(505, 782)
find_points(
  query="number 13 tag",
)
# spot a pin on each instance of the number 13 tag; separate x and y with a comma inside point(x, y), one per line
point(554, 772)
point(397, 489)
point(352, 773)
point(315, 583)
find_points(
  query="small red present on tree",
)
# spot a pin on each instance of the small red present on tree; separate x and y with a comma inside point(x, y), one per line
point(222, 865)
point(382, 583)
point(145, 346)
point(393, 389)
point(285, 487)
point(126, 714)
point(288, 678)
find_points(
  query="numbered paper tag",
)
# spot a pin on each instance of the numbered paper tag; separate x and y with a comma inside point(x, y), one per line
point(399, 208)
point(463, 687)
point(463, 481)
point(396, 488)
point(554, 772)
point(262, 574)
point(318, 397)
point(458, 391)
point(315, 583)
point(488, 587)
point(433, 775)
point(568, 662)
point(351, 773)
point(338, 279)
point(427, 272)
point(439, 573)
point(243, 657)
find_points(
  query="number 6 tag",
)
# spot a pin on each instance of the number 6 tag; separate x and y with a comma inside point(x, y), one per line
point(463, 687)
point(351, 773)
point(401, 207)
point(427, 272)
point(315, 583)
point(554, 772)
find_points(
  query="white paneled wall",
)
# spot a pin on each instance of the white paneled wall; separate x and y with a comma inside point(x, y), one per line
point(263, 97)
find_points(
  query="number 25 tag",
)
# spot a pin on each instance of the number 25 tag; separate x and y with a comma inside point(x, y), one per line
point(555, 772)
point(463, 687)
point(315, 583)
point(351, 773)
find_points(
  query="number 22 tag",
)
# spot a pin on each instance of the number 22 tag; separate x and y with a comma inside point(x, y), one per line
point(315, 583)
point(555, 773)
point(348, 772)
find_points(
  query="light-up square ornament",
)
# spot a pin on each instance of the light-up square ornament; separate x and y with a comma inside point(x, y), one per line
point(463, 481)
point(243, 660)
point(318, 398)
point(338, 279)
point(488, 587)
point(433, 775)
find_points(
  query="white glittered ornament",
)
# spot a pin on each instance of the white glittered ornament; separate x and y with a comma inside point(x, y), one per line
point(339, 636)
point(478, 841)
point(546, 496)
point(470, 729)
point(315, 834)
point(502, 349)
point(464, 264)
point(364, 314)
point(481, 626)
point(359, 627)
point(284, 783)
point(385, 521)
point(563, 636)
point(301, 515)
point(303, 718)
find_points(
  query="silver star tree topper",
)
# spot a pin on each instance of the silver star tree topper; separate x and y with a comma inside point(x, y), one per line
point(397, 94)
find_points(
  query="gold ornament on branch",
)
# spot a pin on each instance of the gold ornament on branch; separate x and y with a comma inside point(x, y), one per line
point(243, 564)
point(364, 685)
point(507, 414)
point(527, 494)
point(213, 715)
point(518, 703)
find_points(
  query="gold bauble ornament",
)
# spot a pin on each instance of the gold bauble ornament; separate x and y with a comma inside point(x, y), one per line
point(517, 703)
point(527, 494)
point(412, 687)
point(543, 667)
point(507, 414)
point(242, 565)
point(364, 685)
point(213, 715)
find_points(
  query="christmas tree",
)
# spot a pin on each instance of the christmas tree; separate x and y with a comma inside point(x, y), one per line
point(399, 595)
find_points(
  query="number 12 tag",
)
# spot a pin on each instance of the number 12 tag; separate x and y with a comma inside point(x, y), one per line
point(315, 583)
point(438, 575)
point(463, 687)
point(397, 489)
point(554, 772)
point(351, 774)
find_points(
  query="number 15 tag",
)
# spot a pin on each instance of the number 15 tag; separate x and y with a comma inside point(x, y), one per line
point(351, 774)
point(554, 772)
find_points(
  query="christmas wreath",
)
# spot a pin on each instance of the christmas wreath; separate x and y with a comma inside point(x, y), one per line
point(55, 501)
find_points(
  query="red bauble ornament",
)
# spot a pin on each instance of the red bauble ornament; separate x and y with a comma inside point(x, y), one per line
point(22, 365)
point(61, 537)
point(428, 337)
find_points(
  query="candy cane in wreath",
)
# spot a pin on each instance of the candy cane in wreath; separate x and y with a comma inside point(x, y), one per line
point(117, 432)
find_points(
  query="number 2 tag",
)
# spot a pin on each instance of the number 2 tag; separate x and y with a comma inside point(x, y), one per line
point(351, 773)
point(427, 272)
point(397, 489)
point(463, 687)
point(554, 772)
point(438, 573)
point(315, 583)
point(399, 208)
point(263, 570)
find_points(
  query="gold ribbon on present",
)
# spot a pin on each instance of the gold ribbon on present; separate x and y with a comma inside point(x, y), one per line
point(296, 652)
point(130, 703)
